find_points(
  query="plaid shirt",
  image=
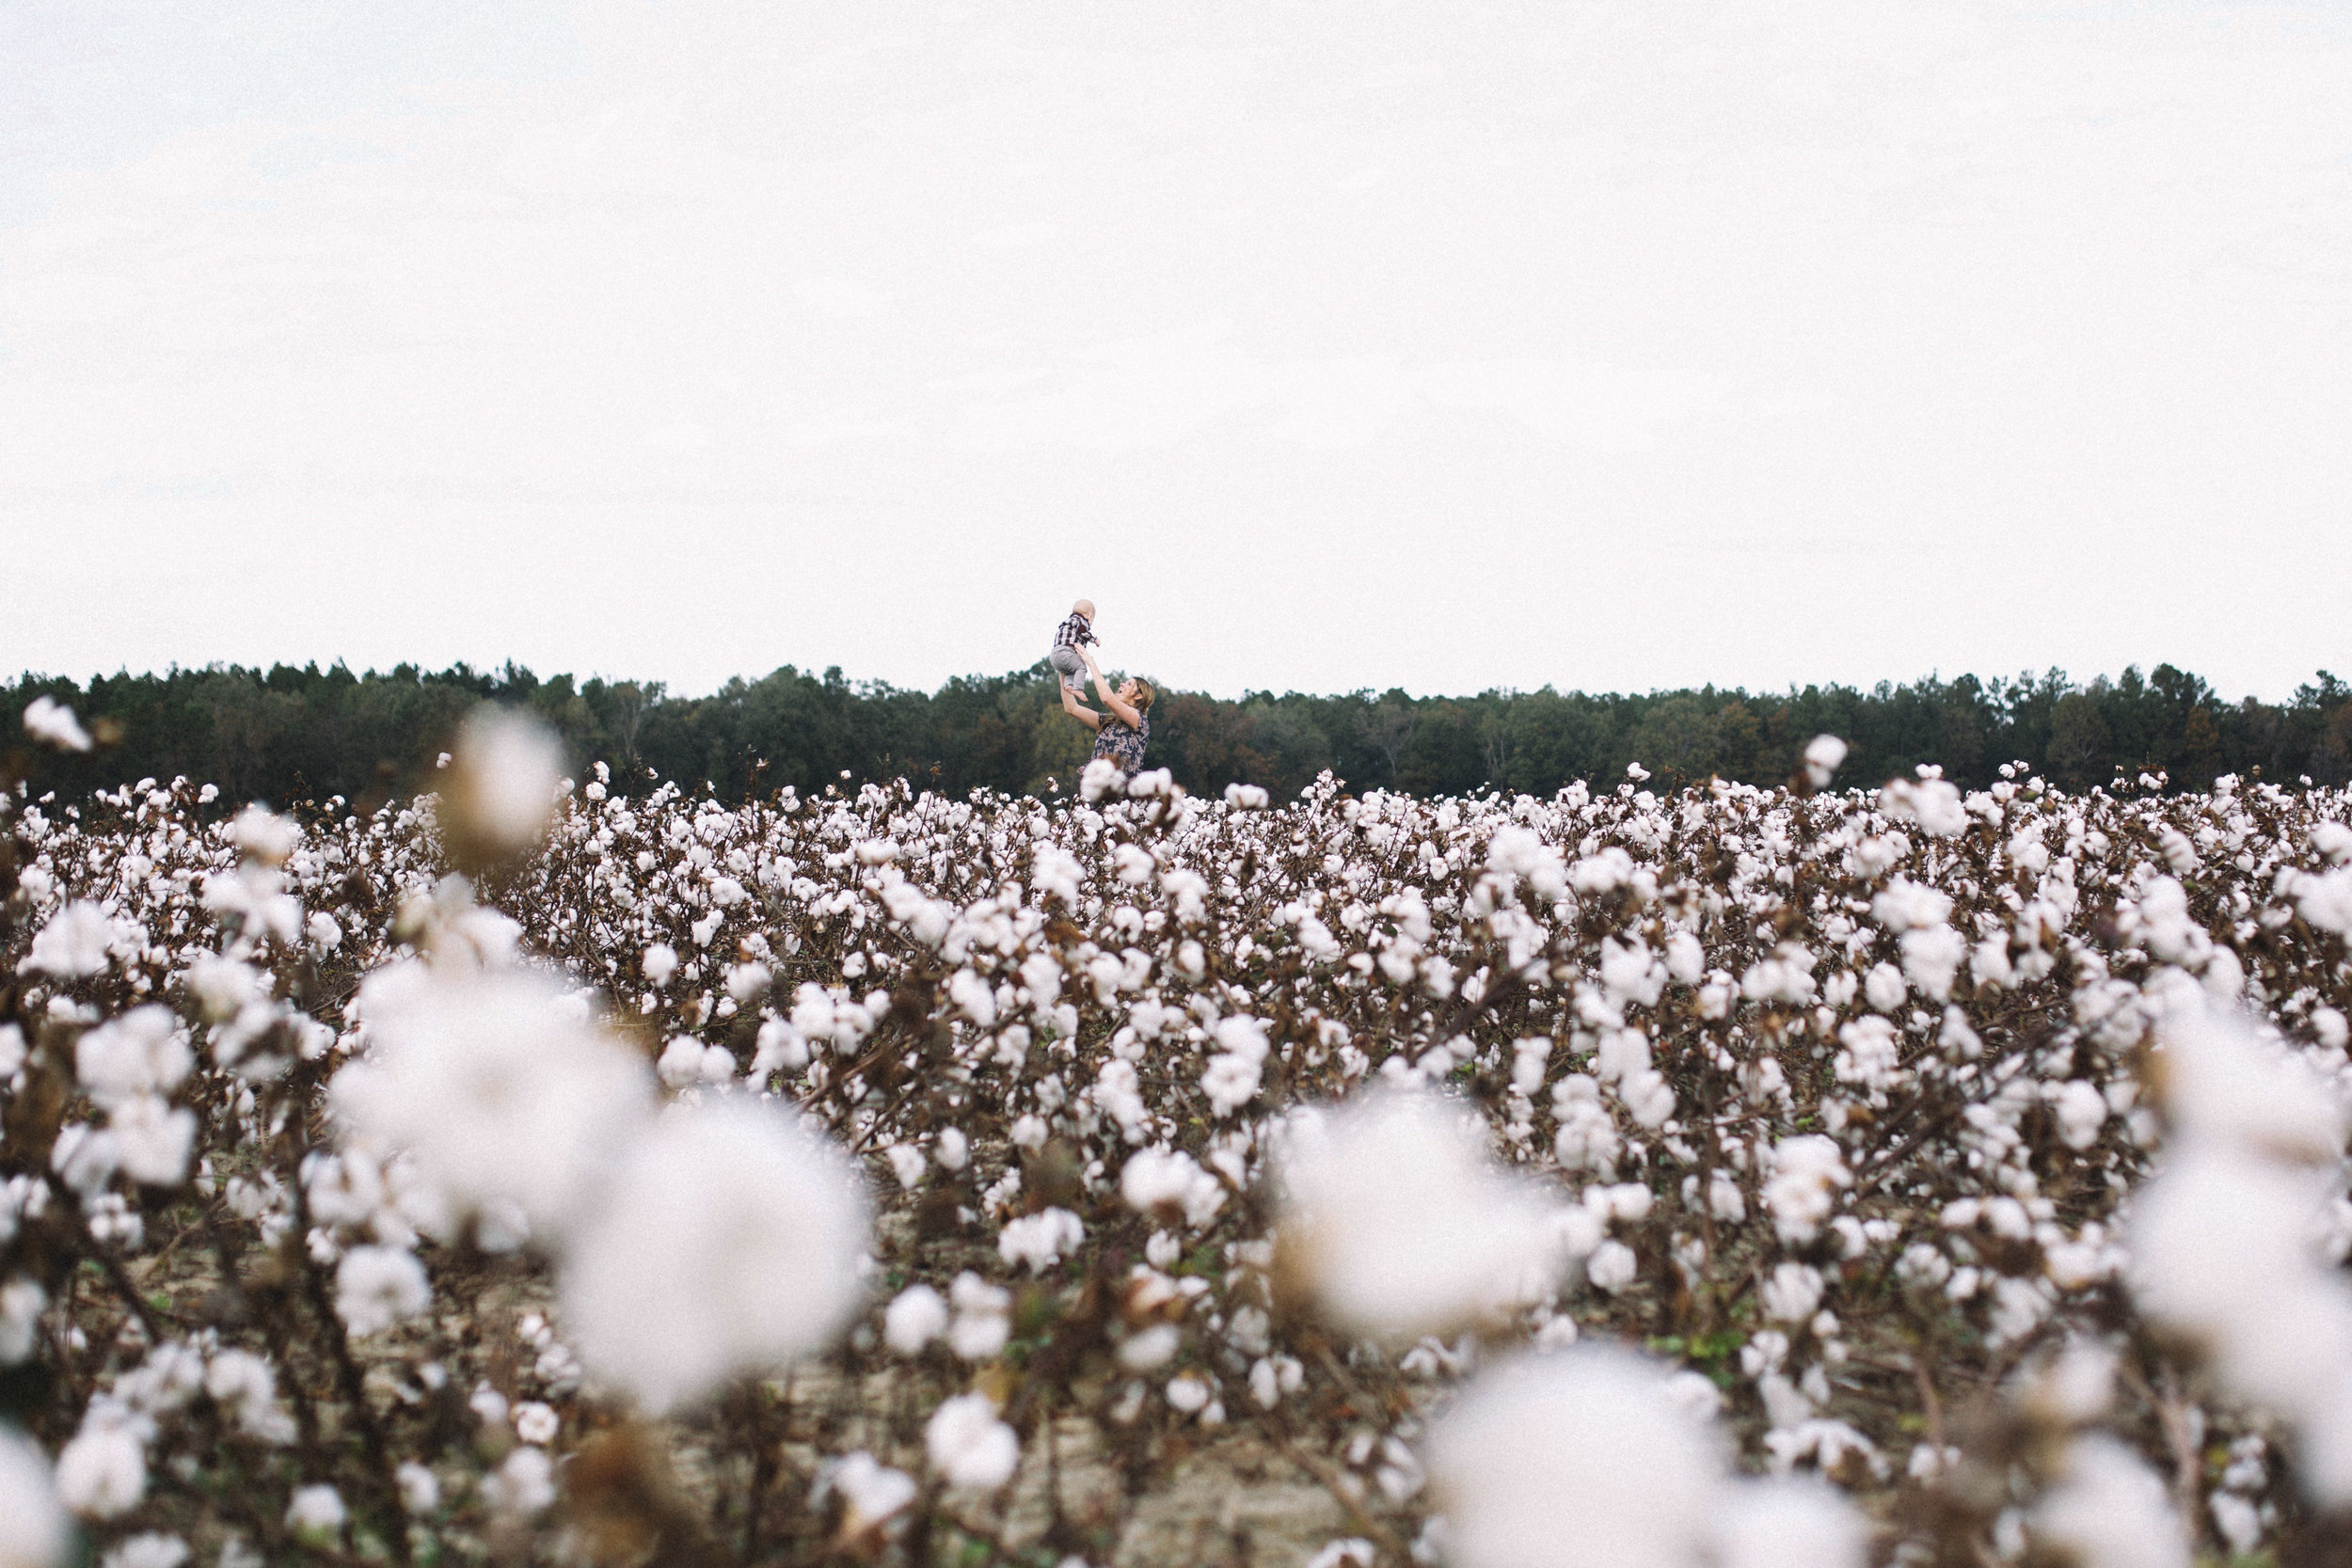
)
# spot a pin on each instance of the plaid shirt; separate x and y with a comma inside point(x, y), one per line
point(1073, 632)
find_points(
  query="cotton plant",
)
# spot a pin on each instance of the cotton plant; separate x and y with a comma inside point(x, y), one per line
point(789, 1176)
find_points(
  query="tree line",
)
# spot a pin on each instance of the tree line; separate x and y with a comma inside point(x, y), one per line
point(290, 733)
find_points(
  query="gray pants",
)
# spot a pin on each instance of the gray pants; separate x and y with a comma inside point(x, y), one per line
point(1070, 664)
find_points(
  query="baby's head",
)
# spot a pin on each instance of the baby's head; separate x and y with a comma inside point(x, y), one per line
point(1085, 607)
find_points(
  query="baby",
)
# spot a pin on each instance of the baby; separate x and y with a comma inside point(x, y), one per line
point(1065, 659)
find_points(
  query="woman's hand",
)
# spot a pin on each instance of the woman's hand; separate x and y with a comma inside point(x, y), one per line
point(1069, 706)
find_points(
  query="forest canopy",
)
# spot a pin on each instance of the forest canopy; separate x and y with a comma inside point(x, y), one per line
point(292, 734)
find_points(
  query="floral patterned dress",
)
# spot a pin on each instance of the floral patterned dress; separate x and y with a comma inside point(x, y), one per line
point(1124, 742)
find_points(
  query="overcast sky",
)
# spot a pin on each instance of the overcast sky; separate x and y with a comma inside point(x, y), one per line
point(1426, 344)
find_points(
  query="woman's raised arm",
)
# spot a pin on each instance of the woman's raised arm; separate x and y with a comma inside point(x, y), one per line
point(1122, 711)
point(1071, 706)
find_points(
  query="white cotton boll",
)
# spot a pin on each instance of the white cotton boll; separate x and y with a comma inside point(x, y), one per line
point(51, 723)
point(1150, 1349)
point(687, 1061)
point(1040, 1240)
point(2075, 1387)
point(1823, 755)
point(1686, 960)
point(101, 1471)
point(506, 771)
point(1029, 1132)
point(658, 963)
point(969, 1447)
point(2082, 1110)
point(151, 1140)
point(1611, 1266)
point(1792, 1294)
point(1904, 905)
point(536, 1422)
point(140, 1053)
point(148, 1550)
point(1242, 797)
point(728, 1242)
point(983, 1321)
point(871, 1492)
point(971, 996)
point(915, 1317)
point(523, 1486)
point(1170, 1184)
point(11, 1049)
point(953, 1149)
point(33, 1528)
point(497, 1090)
point(419, 1489)
point(1790, 1522)
point(1932, 959)
point(1578, 1458)
point(1884, 989)
point(1800, 1192)
point(907, 1164)
point(748, 980)
point(376, 1287)
point(1932, 803)
point(21, 1303)
point(2111, 1511)
point(1395, 1211)
point(73, 944)
point(2222, 1082)
point(1989, 961)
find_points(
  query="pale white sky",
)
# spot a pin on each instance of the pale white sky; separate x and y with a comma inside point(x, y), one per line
point(1424, 343)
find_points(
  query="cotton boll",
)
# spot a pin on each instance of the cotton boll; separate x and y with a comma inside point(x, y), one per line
point(1790, 1522)
point(419, 1489)
point(151, 1140)
point(496, 1088)
point(1932, 803)
point(51, 723)
point(73, 944)
point(969, 1447)
point(2218, 1080)
point(2110, 1511)
point(148, 1550)
point(523, 1486)
point(1040, 1240)
point(140, 1053)
point(1931, 958)
point(1172, 1185)
point(983, 1321)
point(1800, 1192)
point(1823, 755)
point(871, 1493)
point(33, 1526)
point(101, 1471)
point(376, 1287)
point(728, 1242)
point(658, 963)
point(1578, 1458)
point(915, 1317)
point(504, 773)
point(1393, 1212)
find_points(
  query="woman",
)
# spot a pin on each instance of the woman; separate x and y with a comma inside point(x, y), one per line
point(1119, 734)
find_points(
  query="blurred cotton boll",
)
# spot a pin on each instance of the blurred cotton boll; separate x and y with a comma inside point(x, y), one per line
point(506, 1097)
point(2111, 1511)
point(729, 1242)
point(1790, 1522)
point(51, 723)
point(504, 774)
point(1396, 1218)
point(32, 1525)
point(1581, 1459)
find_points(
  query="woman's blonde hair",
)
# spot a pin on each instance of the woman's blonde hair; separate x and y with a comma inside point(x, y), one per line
point(1143, 694)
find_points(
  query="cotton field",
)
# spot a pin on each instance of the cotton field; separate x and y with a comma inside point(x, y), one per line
point(553, 1171)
